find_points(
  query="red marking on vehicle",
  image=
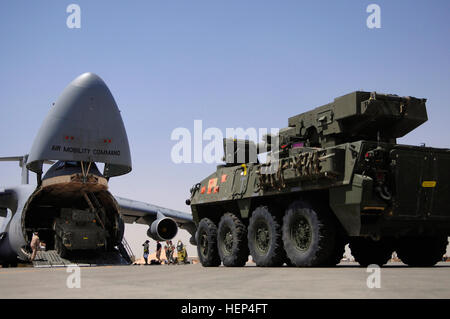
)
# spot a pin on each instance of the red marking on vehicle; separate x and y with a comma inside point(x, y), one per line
point(211, 184)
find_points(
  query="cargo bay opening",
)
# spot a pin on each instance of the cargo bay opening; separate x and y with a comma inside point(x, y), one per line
point(73, 211)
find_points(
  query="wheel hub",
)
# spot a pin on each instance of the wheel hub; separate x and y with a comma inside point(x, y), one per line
point(301, 233)
point(262, 239)
point(204, 244)
point(228, 242)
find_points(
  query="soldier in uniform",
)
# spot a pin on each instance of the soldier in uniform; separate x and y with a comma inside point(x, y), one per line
point(169, 248)
point(166, 250)
point(35, 243)
point(146, 251)
point(158, 251)
point(182, 253)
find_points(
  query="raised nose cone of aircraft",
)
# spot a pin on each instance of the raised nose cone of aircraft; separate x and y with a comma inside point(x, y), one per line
point(83, 125)
point(87, 80)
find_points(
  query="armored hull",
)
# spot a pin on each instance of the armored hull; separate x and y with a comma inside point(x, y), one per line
point(334, 176)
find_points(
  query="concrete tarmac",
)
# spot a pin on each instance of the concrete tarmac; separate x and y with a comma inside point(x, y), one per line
point(347, 280)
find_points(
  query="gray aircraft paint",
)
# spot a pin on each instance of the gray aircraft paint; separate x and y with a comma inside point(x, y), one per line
point(15, 200)
point(84, 125)
point(87, 112)
point(140, 208)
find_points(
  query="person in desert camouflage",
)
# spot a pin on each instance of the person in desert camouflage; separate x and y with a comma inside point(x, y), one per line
point(35, 243)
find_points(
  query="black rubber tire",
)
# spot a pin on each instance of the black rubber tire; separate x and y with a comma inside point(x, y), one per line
point(60, 248)
point(273, 255)
point(421, 251)
point(234, 251)
point(206, 237)
point(320, 231)
point(368, 251)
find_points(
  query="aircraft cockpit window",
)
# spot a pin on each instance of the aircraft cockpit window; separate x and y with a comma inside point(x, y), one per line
point(62, 164)
point(59, 165)
point(72, 164)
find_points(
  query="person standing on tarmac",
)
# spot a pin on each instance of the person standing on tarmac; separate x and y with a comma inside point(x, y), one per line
point(158, 251)
point(166, 250)
point(35, 243)
point(146, 251)
point(171, 249)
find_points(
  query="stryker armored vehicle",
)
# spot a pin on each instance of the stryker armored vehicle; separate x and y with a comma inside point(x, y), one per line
point(78, 230)
point(335, 175)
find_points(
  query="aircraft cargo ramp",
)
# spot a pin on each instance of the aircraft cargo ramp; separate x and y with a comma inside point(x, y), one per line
point(50, 258)
point(121, 255)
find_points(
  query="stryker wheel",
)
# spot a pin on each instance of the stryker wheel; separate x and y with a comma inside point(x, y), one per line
point(367, 251)
point(421, 251)
point(232, 241)
point(206, 238)
point(308, 235)
point(264, 239)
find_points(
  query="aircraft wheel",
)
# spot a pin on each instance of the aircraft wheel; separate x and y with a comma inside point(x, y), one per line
point(264, 239)
point(308, 235)
point(232, 241)
point(421, 251)
point(206, 237)
point(368, 251)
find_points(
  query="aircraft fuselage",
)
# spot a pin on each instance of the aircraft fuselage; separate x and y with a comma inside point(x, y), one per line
point(71, 211)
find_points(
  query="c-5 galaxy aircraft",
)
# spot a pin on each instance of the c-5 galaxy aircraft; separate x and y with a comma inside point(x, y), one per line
point(71, 207)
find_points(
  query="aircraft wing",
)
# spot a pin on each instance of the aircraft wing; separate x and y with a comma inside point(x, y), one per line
point(144, 213)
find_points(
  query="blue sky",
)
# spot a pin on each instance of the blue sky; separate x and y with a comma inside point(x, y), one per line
point(228, 63)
